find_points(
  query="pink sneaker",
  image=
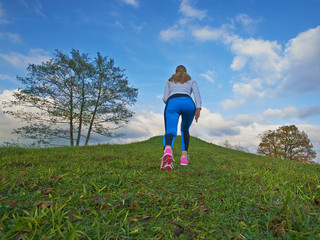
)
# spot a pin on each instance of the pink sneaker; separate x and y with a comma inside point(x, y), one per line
point(168, 166)
point(184, 161)
point(167, 158)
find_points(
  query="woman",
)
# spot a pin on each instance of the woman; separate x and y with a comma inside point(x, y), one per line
point(177, 97)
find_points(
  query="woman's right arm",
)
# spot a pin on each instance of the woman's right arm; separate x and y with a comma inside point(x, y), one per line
point(197, 98)
point(196, 94)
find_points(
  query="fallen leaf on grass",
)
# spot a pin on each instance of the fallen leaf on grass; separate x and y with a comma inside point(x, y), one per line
point(47, 192)
point(56, 177)
point(317, 202)
point(203, 209)
point(44, 204)
point(144, 218)
point(13, 205)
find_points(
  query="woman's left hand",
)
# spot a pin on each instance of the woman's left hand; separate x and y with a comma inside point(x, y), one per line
point(197, 114)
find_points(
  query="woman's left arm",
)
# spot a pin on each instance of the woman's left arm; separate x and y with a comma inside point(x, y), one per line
point(197, 114)
point(196, 94)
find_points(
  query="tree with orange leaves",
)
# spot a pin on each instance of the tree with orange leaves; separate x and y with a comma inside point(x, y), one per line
point(287, 142)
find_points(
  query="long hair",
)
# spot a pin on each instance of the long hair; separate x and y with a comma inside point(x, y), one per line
point(181, 75)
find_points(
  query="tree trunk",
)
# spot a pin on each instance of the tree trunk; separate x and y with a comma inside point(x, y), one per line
point(71, 119)
point(92, 118)
point(81, 113)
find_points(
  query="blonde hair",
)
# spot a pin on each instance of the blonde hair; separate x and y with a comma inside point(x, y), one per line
point(181, 75)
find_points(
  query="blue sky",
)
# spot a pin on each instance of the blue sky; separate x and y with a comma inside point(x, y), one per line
point(256, 61)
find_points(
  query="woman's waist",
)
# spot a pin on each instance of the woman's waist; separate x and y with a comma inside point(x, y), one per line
point(175, 95)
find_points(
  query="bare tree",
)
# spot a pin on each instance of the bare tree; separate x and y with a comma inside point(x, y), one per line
point(70, 96)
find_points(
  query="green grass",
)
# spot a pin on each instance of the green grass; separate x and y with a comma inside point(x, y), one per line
point(118, 192)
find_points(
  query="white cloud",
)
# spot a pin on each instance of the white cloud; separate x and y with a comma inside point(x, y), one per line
point(209, 75)
point(187, 10)
point(246, 119)
point(244, 19)
point(313, 133)
point(249, 24)
point(290, 111)
point(3, 19)
point(12, 37)
point(6, 95)
point(134, 3)
point(207, 33)
point(286, 112)
point(4, 77)
point(172, 33)
point(238, 63)
point(213, 124)
point(305, 47)
point(143, 125)
point(264, 57)
point(118, 24)
point(38, 8)
point(228, 103)
point(272, 112)
point(7, 123)
point(15, 37)
point(36, 56)
point(177, 31)
point(302, 57)
point(253, 89)
point(309, 111)
point(244, 91)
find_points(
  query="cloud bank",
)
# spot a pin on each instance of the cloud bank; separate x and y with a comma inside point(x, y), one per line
point(267, 68)
point(241, 130)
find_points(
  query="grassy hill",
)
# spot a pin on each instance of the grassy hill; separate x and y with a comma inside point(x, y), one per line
point(118, 192)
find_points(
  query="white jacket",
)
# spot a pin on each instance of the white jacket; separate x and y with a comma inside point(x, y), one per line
point(188, 87)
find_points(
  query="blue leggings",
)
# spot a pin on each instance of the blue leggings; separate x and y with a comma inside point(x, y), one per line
point(176, 107)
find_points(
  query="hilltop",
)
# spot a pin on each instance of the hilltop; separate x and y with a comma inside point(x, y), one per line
point(118, 192)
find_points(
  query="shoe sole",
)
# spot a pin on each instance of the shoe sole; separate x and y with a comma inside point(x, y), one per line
point(166, 161)
point(184, 164)
point(168, 167)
